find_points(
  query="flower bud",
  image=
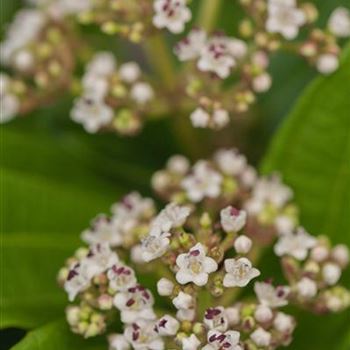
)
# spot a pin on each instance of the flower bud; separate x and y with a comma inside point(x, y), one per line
point(243, 244)
point(284, 323)
point(331, 273)
point(232, 219)
point(261, 337)
point(118, 342)
point(165, 287)
point(340, 254)
point(263, 314)
point(307, 288)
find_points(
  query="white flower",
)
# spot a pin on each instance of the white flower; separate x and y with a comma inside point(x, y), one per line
point(284, 224)
point(191, 47)
point(118, 342)
point(77, 281)
point(239, 272)
point(92, 113)
point(99, 259)
point(262, 83)
point(261, 337)
point(296, 244)
point(129, 72)
point(142, 93)
point(23, 60)
point(331, 273)
point(103, 230)
point(10, 106)
point(136, 303)
point(132, 206)
point(167, 326)
point(327, 63)
point(216, 318)
point(218, 340)
point(200, 118)
point(284, 18)
point(121, 277)
point(263, 314)
point(230, 161)
point(284, 323)
point(186, 314)
point(136, 254)
point(195, 266)
point(165, 287)
point(242, 244)
point(178, 164)
point(233, 315)
point(340, 254)
point(190, 343)
point(25, 28)
point(220, 118)
point(102, 64)
point(171, 216)
point(232, 219)
point(183, 301)
point(319, 253)
point(204, 182)
point(216, 57)
point(268, 190)
point(171, 14)
point(154, 246)
point(95, 85)
point(270, 296)
point(307, 288)
point(339, 22)
point(142, 336)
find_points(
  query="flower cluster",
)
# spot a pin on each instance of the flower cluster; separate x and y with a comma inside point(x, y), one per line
point(270, 26)
point(39, 52)
point(202, 250)
point(112, 98)
point(220, 79)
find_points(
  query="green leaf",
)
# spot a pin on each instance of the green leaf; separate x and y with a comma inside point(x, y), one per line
point(57, 336)
point(30, 294)
point(312, 152)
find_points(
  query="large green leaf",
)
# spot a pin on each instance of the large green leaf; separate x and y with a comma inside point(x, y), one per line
point(30, 295)
point(57, 336)
point(312, 151)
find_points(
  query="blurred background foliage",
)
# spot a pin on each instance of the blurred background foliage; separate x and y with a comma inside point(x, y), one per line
point(55, 178)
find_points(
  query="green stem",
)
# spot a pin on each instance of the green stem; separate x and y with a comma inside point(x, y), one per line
point(208, 13)
point(161, 60)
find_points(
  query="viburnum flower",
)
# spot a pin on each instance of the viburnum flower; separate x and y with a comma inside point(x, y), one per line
point(92, 113)
point(239, 272)
point(295, 244)
point(10, 103)
point(270, 296)
point(232, 219)
point(228, 340)
point(191, 47)
point(195, 266)
point(215, 318)
point(204, 182)
point(171, 14)
point(339, 22)
point(284, 18)
point(196, 249)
